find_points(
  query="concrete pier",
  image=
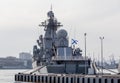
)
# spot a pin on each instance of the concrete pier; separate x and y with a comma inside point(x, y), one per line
point(67, 78)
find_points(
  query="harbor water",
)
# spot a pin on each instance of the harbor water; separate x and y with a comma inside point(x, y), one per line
point(7, 76)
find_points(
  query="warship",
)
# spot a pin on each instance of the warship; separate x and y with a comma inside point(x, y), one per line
point(54, 61)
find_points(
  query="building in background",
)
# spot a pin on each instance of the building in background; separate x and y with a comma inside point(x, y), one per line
point(23, 62)
point(25, 56)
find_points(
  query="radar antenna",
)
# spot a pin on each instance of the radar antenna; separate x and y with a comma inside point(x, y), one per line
point(51, 22)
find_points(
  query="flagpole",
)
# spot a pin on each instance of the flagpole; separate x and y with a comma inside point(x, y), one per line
point(85, 52)
point(101, 39)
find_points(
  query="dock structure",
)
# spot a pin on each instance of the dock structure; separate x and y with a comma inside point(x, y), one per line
point(65, 78)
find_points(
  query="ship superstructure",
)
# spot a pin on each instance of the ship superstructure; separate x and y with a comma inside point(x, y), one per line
point(53, 51)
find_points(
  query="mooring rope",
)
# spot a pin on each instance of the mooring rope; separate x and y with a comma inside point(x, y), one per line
point(34, 70)
point(108, 70)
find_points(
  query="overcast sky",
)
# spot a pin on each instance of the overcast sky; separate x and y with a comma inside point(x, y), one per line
point(19, 20)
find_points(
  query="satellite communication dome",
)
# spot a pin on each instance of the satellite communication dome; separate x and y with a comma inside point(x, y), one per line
point(62, 33)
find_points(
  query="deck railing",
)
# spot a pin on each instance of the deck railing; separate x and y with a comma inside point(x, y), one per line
point(69, 58)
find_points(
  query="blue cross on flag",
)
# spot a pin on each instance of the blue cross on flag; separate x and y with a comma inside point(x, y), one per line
point(74, 41)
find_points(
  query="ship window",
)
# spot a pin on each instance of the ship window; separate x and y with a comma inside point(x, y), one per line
point(112, 81)
point(99, 80)
point(105, 80)
point(94, 80)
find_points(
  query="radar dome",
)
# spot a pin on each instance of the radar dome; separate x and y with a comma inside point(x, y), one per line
point(62, 33)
